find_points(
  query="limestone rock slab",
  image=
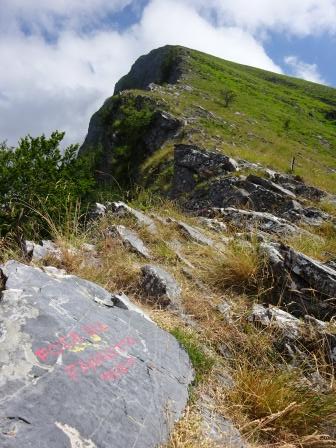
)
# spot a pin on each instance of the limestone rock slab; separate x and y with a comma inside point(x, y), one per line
point(75, 372)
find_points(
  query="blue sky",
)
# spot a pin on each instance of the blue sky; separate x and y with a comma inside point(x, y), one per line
point(60, 59)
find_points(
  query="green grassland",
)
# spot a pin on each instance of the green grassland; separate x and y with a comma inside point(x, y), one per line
point(272, 119)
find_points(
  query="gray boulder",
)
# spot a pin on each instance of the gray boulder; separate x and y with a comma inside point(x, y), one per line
point(195, 234)
point(122, 209)
point(38, 252)
point(273, 317)
point(306, 285)
point(131, 240)
point(159, 285)
point(75, 372)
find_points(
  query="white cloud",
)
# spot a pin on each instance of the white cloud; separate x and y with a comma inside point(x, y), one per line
point(54, 15)
point(304, 70)
point(294, 16)
point(191, 30)
point(46, 86)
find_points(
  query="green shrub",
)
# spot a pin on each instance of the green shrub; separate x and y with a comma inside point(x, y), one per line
point(37, 179)
point(129, 154)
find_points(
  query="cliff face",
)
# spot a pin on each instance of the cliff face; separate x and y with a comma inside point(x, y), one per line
point(132, 125)
point(127, 130)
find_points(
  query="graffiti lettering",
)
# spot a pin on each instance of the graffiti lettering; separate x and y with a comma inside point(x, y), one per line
point(72, 341)
point(85, 366)
point(118, 371)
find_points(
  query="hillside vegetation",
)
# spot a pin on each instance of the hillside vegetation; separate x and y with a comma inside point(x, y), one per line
point(272, 118)
point(227, 177)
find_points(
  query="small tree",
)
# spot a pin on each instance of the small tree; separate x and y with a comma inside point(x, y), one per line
point(287, 124)
point(228, 96)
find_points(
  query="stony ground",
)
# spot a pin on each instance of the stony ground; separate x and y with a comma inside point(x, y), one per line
point(254, 314)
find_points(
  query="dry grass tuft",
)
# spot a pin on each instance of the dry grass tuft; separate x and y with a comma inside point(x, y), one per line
point(277, 405)
point(241, 268)
point(188, 432)
point(116, 269)
point(319, 244)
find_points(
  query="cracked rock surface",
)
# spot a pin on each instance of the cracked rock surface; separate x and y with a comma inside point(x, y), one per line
point(160, 285)
point(78, 371)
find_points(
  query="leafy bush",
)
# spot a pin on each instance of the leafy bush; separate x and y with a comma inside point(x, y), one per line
point(128, 155)
point(37, 179)
point(228, 96)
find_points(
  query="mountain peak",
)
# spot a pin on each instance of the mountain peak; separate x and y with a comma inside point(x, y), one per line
point(162, 65)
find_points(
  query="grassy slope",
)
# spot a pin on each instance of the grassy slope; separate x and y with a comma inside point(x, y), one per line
point(238, 366)
point(254, 126)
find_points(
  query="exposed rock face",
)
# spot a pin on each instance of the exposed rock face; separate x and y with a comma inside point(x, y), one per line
point(161, 65)
point(131, 240)
point(298, 187)
point(160, 285)
point(254, 192)
point(118, 155)
point(192, 165)
point(272, 316)
point(37, 252)
point(250, 220)
point(292, 333)
point(76, 371)
point(163, 127)
point(307, 286)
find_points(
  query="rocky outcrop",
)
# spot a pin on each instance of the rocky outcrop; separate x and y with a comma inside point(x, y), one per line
point(160, 286)
point(289, 326)
point(306, 286)
point(117, 150)
point(297, 186)
point(122, 209)
point(131, 240)
point(293, 334)
point(162, 65)
point(252, 221)
point(193, 165)
point(255, 193)
point(76, 370)
point(192, 233)
point(38, 252)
